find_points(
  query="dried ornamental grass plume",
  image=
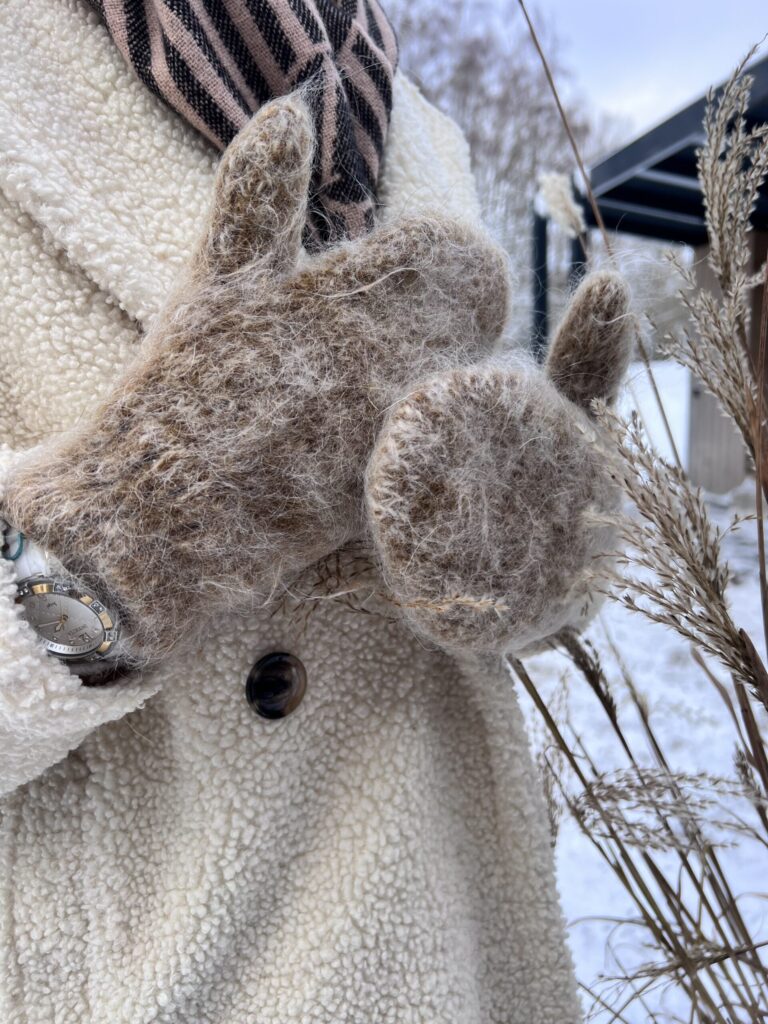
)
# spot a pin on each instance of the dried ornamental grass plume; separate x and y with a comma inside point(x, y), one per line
point(659, 810)
point(732, 167)
point(555, 199)
point(682, 579)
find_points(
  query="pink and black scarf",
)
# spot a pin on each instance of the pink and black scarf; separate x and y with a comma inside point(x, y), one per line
point(216, 61)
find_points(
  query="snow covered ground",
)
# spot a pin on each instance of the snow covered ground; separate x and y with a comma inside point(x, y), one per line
point(673, 382)
point(686, 712)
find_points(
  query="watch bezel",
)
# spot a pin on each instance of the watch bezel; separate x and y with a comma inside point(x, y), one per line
point(42, 584)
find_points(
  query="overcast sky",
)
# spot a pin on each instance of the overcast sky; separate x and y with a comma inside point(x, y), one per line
point(645, 59)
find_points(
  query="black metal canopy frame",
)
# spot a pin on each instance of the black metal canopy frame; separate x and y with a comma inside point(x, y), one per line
point(650, 188)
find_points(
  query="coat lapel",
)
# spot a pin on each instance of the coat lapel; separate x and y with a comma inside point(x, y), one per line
point(119, 182)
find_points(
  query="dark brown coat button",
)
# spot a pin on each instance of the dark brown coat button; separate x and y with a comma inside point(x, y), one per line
point(276, 685)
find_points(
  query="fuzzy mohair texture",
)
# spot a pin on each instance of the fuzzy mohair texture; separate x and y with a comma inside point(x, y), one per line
point(233, 452)
point(488, 492)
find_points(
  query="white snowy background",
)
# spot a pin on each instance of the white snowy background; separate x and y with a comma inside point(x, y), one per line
point(686, 713)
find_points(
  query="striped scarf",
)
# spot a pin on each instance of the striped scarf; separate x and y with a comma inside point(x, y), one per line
point(217, 61)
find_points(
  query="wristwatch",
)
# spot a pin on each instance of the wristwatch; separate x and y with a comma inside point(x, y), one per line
point(74, 624)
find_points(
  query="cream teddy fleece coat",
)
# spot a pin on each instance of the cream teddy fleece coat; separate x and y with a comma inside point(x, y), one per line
point(379, 856)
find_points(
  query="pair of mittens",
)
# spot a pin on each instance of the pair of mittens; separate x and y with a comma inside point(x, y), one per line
point(232, 452)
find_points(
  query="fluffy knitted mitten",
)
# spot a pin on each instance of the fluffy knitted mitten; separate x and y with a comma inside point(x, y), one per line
point(232, 453)
point(487, 490)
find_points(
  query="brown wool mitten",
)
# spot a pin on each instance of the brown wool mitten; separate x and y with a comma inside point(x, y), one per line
point(486, 487)
point(231, 454)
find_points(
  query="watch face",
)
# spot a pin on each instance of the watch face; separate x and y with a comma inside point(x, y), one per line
point(70, 620)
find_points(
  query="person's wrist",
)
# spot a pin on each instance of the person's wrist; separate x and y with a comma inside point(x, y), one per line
point(85, 631)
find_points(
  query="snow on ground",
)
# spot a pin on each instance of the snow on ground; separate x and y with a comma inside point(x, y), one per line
point(686, 712)
point(673, 382)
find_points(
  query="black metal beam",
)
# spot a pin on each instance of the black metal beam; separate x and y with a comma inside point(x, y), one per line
point(664, 179)
point(578, 263)
point(677, 195)
point(679, 131)
point(641, 155)
point(649, 222)
point(540, 325)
